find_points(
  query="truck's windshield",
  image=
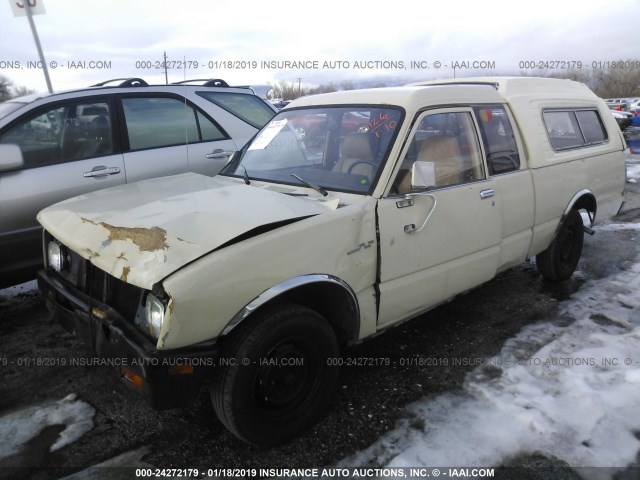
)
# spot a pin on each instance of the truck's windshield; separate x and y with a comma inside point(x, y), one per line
point(336, 148)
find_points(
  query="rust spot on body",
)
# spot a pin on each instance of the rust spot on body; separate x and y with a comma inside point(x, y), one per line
point(125, 273)
point(147, 239)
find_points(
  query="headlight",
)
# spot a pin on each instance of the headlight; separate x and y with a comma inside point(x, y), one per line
point(54, 256)
point(153, 315)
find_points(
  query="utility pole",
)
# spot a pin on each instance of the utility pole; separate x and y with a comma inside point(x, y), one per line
point(166, 77)
point(27, 8)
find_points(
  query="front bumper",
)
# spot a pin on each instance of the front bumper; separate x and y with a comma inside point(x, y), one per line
point(165, 379)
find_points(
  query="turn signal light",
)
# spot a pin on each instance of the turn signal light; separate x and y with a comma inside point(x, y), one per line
point(181, 370)
point(134, 378)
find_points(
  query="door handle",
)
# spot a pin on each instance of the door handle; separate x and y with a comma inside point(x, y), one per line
point(219, 153)
point(484, 194)
point(101, 172)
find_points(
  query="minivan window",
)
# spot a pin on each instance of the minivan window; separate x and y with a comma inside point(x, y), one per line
point(249, 108)
point(154, 122)
point(67, 132)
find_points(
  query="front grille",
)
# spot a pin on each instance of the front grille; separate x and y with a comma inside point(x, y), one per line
point(123, 297)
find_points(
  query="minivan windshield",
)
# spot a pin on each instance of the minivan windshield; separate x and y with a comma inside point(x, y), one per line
point(335, 148)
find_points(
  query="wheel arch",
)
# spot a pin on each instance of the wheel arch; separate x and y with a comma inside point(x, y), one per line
point(328, 295)
point(582, 200)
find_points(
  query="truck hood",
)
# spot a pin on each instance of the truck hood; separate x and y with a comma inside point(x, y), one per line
point(144, 231)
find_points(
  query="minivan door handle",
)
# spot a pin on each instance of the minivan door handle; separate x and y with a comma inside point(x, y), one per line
point(484, 194)
point(101, 171)
point(219, 153)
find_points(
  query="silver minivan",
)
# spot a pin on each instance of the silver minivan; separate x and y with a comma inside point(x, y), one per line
point(62, 145)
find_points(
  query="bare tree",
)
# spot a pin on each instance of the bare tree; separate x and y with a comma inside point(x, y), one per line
point(347, 85)
point(22, 91)
point(9, 91)
point(618, 82)
point(5, 88)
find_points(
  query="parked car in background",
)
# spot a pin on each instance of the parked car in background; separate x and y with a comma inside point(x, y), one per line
point(623, 118)
point(55, 146)
point(280, 103)
point(618, 103)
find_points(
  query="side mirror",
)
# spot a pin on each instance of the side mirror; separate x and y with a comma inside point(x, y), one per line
point(423, 175)
point(10, 157)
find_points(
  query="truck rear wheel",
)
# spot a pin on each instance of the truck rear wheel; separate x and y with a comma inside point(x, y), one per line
point(277, 375)
point(560, 259)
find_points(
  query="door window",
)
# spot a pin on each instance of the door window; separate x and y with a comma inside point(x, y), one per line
point(154, 122)
point(73, 131)
point(449, 142)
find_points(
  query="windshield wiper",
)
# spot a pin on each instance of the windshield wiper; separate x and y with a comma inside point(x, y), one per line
point(246, 176)
point(318, 189)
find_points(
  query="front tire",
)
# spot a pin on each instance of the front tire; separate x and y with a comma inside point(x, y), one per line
point(560, 259)
point(279, 377)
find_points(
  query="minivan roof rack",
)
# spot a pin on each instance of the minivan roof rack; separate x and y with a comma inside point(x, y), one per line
point(124, 82)
point(208, 82)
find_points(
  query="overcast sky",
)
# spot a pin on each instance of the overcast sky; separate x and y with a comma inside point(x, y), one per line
point(128, 38)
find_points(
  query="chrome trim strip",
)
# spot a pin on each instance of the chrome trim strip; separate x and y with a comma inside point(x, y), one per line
point(285, 286)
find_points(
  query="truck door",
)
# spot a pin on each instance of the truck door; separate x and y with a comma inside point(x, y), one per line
point(446, 239)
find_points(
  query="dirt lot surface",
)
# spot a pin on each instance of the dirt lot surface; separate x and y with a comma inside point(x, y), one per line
point(443, 345)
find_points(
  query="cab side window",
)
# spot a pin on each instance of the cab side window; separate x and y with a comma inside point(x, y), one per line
point(448, 142)
point(498, 138)
point(68, 132)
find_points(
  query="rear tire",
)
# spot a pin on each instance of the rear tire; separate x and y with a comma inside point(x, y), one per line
point(560, 259)
point(283, 376)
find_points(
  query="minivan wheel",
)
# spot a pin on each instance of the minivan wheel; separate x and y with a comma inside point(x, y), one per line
point(560, 259)
point(276, 375)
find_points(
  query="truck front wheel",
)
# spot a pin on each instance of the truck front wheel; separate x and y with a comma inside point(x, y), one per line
point(276, 375)
point(560, 259)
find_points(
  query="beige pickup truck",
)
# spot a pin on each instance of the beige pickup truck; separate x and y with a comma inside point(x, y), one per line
point(348, 213)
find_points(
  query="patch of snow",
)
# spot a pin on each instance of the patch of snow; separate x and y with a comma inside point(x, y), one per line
point(568, 388)
point(18, 427)
point(16, 290)
point(633, 172)
point(618, 227)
